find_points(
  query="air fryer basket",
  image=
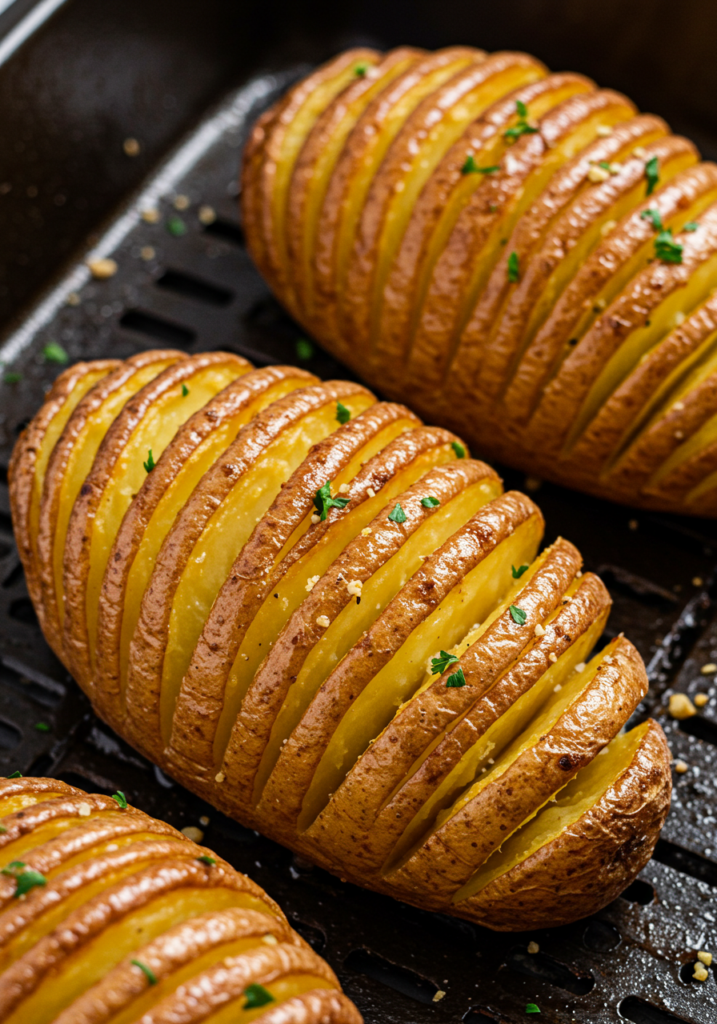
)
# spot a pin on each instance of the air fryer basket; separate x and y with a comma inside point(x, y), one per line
point(192, 285)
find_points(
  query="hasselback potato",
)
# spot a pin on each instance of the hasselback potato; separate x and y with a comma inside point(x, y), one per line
point(521, 256)
point(108, 916)
point(330, 622)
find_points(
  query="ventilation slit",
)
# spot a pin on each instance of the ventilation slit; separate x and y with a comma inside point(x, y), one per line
point(400, 979)
point(640, 1012)
point(190, 287)
point(158, 329)
point(227, 230)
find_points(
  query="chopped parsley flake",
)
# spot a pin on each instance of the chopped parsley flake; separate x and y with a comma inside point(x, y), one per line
point(517, 573)
point(53, 352)
point(343, 415)
point(257, 995)
point(605, 164)
point(150, 463)
point(176, 226)
point(12, 377)
point(147, 971)
point(441, 663)
point(691, 225)
point(120, 799)
point(667, 249)
point(397, 515)
point(513, 268)
point(430, 502)
point(532, 1008)
point(3, 830)
point(654, 216)
point(518, 615)
point(15, 775)
point(471, 167)
point(652, 173)
point(456, 678)
point(522, 127)
point(185, 390)
point(361, 69)
point(42, 726)
point(209, 861)
point(323, 501)
point(25, 878)
point(304, 349)
point(458, 449)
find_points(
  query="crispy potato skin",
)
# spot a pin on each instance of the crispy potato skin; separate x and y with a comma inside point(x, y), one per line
point(530, 265)
point(201, 960)
point(380, 540)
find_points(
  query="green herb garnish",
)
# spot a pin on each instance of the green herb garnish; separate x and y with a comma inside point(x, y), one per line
point(257, 995)
point(441, 663)
point(667, 249)
point(513, 268)
point(471, 167)
point(147, 971)
point(430, 502)
point(210, 861)
point(25, 878)
point(397, 515)
point(532, 1008)
point(12, 377)
point(518, 615)
point(15, 775)
point(42, 726)
point(522, 127)
point(361, 69)
point(456, 678)
point(343, 415)
point(176, 226)
point(605, 164)
point(150, 463)
point(53, 352)
point(304, 349)
point(652, 173)
point(458, 449)
point(323, 501)
point(3, 830)
point(517, 573)
point(654, 216)
point(691, 225)
point(185, 390)
point(120, 799)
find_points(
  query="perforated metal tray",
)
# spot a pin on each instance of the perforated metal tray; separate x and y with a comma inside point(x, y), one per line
point(199, 290)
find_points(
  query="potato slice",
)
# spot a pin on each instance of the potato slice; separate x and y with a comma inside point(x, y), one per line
point(31, 455)
point(206, 537)
point(549, 869)
point(147, 424)
point(69, 464)
point(536, 765)
point(153, 510)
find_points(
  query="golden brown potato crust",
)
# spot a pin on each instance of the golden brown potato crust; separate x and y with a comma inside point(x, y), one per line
point(330, 622)
point(515, 253)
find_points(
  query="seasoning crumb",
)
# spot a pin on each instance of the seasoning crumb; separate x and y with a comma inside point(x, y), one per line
point(207, 215)
point(354, 588)
point(366, 532)
point(709, 669)
point(84, 810)
point(440, 994)
point(697, 581)
point(73, 299)
point(194, 834)
point(580, 667)
point(539, 630)
point(680, 766)
point(700, 973)
point(679, 318)
point(131, 147)
point(533, 947)
point(370, 491)
point(705, 957)
point(640, 152)
point(344, 489)
point(151, 215)
point(681, 706)
point(607, 227)
point(633, 524)
point(311, 583)
point(598, 174)
point(552, 657)
point(219, 777)
point(270, 940)
point(102, 268)
point(315, 518)
point(603, 130)
point(324, 621)
point(147, 252)
point(181, 202)
point(701, 699)
point(204, 821)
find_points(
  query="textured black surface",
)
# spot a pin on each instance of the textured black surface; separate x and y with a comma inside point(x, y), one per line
point(200, 291)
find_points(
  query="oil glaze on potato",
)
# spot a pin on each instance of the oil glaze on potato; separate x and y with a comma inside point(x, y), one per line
point(509, 251)
point(330, 622)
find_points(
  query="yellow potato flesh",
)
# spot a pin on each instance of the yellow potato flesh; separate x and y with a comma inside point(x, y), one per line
point(432, 149)
point(355, 618)
point(81, 458)
point(592, 236)
point(281, 989)
point(173, 501)
point(294, 138)
point(49, 440)
point(110, 845)
point(39, 835)
point(95, 958)
point(701, 439)
point(155, 430)
point(326, 161)
point(18, 802)
point(275, 612)
point(374, 153)
point(586, 789)
point(641, 341)
point(227, 532)
point(489, 155)
point(485, 760)
point(468, 602)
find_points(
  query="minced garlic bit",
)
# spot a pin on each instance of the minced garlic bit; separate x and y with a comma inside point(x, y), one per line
point(709, 669)
point(151, 215)
point(697, 581)
point(705, 957)
point(219, 777)
point(111, 847)
point(131, 147)
point(344, 489)
point(370, 491)
point(533, 947)
point(147, 252)
point(102, 268)
point(552, 657)
point(324, 621)
point(680, 766)
point(603, 130)
point(701, 699)
point(607, 227)
point(194, 834)
point(598, 174)
point(73, 299)
point(679, 318)
point(316, 518)
point(311, 583)
point(440, 994)
point(366, 532)
point(678, 435)
point(84, 810)
point(679, 406)
point(700, 973)
point(181, 202)
point(681, 706)
point(640, 152)
point(207, 215)
point(270, 940)
point(580, 667)
point(204, 821)
point(354, 588)
point(539, 630)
